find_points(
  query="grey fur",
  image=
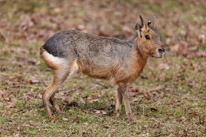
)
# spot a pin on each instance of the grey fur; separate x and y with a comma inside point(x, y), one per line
point(61, 44)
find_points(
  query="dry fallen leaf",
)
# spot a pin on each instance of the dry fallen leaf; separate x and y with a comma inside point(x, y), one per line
point(97, 111)
point(163, 66)
point(82, 100)
point(131, 94)
point(33, 80)
point(1, 104)
point(94, 101)
point(1, 94)
point(65, 119)
point(100, 112)
point(104, 112)
point(11, 96)
point(147, 95)
point(157, 88)
point(202, 38)
point(106, 126)
point(43, 11)
point(132, 91)
point(58, 10)
point(201, 54)
point(9, 112)
point(7, 99)
point(9, 105)
point(2, 38)
point(177, 48)
point(153, 109)
point(80, 90)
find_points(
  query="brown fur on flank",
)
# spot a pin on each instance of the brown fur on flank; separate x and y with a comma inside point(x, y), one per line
point(111, 59)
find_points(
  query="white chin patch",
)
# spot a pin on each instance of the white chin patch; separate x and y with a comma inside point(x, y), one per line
point(163, 54)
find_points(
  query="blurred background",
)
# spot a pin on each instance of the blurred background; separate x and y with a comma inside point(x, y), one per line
point(168, 99)
point(181, 23)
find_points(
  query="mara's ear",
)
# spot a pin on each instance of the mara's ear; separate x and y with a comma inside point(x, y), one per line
point(151, 23)
point(139, 26)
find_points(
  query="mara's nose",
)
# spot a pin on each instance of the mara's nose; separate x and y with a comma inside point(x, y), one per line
point(161, 50)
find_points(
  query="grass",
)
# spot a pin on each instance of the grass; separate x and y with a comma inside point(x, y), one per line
point(177, 107)
point(170, 98)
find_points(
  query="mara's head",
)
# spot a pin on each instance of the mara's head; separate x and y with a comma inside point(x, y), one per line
point(148, 40)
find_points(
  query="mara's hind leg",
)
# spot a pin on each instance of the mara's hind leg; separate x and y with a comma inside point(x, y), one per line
point(59, 77)
point(55, 105)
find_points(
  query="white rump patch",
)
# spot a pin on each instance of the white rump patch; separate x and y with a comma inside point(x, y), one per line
point(53, 59)
point(62, 63)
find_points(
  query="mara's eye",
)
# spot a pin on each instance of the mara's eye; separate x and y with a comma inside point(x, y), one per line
point(147, 37)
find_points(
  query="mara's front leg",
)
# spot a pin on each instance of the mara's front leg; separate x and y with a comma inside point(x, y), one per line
point(123, 91)
point(118, 102)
